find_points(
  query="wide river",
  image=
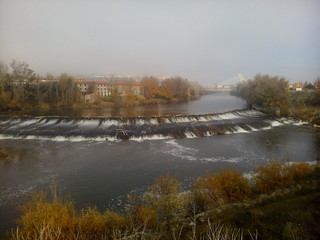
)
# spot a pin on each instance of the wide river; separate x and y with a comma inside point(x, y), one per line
point(84, 152)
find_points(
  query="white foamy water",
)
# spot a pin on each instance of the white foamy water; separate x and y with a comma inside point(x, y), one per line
point(61, 138)
point(221, 159)
point(152, 137)
point(177, 150)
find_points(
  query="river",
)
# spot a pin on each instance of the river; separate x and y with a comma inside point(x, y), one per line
point(85, 150)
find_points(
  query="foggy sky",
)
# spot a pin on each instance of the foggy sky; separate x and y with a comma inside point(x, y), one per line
point(202, 40)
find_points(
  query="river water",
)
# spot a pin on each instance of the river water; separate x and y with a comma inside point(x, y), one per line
point(85, 153)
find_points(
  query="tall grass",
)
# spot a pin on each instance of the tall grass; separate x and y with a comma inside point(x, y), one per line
point(164, 212)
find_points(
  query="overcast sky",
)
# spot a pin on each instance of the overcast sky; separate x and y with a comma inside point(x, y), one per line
point(202, 40)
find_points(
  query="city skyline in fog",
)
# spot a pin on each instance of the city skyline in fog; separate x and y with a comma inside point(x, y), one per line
point(204, 41)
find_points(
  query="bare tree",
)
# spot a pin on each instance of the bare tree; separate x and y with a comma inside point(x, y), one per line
point(22, 75)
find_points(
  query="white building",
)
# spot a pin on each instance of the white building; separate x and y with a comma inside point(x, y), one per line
point(105, 89)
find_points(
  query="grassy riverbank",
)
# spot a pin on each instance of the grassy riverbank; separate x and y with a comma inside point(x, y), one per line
point(279, 201)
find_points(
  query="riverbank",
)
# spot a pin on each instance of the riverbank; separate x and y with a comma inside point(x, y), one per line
point(307, 114)
point(63, 110)
point(136, 102)
point(273, 96)
point(269, 206)
point(206, 104)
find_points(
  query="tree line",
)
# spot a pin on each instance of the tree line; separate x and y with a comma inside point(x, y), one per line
point(175, 89)
point(272, 93)
point(21, 88)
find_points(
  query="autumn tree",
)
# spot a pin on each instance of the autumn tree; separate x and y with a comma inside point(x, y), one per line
point(22, 76)
point(21, 72)
point(223, 187)
point(140, 215)
point(272, 176)
point(151, 86)
point(194, 91)
point(5, 94)
point(175, 89)
point(91, 88)
point(265, 91)
point(68, 90)
point(275, 175)
point(166, 198)
point(3, 72)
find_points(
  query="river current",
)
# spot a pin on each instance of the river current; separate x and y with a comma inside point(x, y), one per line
point(98, 156)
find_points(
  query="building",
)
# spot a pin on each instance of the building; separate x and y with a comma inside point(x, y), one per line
point(90, 98)
point(105, 89)
point(297, 86)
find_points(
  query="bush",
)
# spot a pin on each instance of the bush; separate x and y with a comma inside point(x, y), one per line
point(39, 214)
point(276, 175)
point(223, 187)
point(167, 200)
point(300, 170)
point(272, 176)
point(147, 217)
point(90, 223)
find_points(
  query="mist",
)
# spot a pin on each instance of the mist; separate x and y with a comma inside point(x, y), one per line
point(204, 41)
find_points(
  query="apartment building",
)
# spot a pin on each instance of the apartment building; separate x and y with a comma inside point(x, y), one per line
point(105, 89)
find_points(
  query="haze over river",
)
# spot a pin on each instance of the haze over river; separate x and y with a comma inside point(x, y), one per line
point(84, 150)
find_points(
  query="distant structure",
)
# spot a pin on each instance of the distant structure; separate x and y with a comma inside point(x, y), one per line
point(241, 78)
point(226, 85)
point(296, 86)
point(106, 89)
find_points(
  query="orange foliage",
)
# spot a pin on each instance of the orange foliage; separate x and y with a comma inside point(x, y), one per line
point(147, 217)
point(226, 186)
point(59, 220)
point(39, 212)
point(276, 175)
point(300, 170)
point(151, 86)
point(272, 176)
point(90, 222)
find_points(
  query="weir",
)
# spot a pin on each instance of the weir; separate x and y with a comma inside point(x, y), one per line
point(135, 128)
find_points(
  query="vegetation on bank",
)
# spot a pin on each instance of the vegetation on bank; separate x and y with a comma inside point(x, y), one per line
point(155, 91)
point(174, 89)
point(279, 201)
point(21, 88)
point(3, 155)
point(272, 94)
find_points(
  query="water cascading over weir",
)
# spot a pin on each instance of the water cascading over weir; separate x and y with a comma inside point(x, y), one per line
point(134, 128)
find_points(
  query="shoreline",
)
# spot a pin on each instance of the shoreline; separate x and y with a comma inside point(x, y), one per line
point(83, 105)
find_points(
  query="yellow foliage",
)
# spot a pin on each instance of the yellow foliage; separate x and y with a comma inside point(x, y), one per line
point(223, 187)
point(39, 213)
point(276, 175)
point(90, 222)
point(166, 199)
point(147, 217)
point(115, 220)
point(166, 205)
point(272, 176)
point(300, 170)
